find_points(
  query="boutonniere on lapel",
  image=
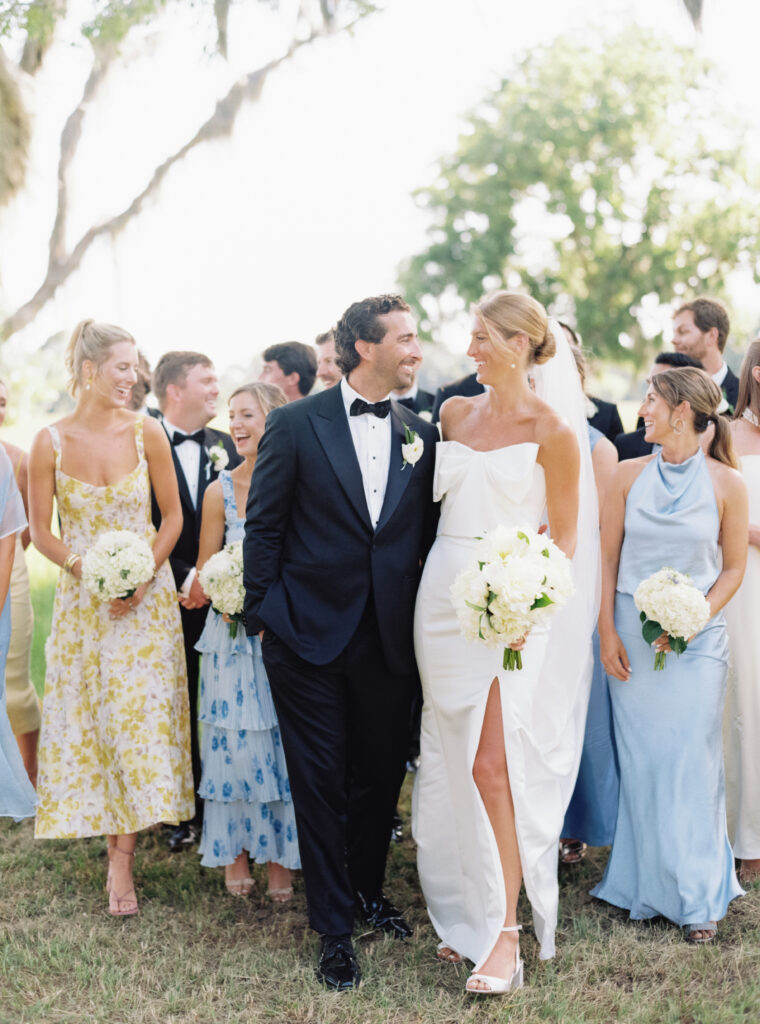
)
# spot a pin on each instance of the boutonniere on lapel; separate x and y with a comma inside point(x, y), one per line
point(217, 459)
point(724, 405)
point(413, 449)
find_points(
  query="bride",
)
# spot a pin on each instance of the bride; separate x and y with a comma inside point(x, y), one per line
point(500, 750)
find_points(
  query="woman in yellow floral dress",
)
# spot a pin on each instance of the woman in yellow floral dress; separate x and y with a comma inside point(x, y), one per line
point(115, 742)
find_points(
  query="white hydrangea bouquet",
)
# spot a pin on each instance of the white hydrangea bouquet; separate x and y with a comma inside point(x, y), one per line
point(670, 603)
point(117, 564)
point(520, 579)
point(222, 580)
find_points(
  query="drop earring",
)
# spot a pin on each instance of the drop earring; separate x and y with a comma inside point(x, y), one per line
point(87, 385)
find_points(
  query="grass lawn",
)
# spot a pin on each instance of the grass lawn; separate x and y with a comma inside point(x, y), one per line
point(196, 955)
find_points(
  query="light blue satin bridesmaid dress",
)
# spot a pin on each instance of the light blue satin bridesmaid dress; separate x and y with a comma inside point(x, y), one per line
point(670, 854)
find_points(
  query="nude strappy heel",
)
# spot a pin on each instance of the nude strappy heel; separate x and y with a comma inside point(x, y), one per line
point(126, 904)
point(498, 986)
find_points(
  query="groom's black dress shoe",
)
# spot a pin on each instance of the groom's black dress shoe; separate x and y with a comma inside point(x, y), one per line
point(338, 967)
point(380, 913)
point(182, 837)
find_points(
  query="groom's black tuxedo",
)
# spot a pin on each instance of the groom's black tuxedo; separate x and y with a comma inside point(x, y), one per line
point(336, 600)
point(182, 559)
point(312, 558)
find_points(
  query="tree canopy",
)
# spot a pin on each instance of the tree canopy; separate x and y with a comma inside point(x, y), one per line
point(105, 26)
point(604, 176)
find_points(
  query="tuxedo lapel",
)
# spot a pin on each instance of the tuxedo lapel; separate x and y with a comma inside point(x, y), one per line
point(184, 492)
point(331, 427)
point(206, 471)
point(399, 475)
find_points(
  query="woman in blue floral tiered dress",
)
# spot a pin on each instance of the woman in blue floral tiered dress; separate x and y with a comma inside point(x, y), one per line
point(248, 811)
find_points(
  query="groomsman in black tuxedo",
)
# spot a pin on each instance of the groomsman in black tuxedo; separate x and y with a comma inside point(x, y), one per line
point(290, 365)
point(415, 398)
point(328, 371)
point(185, 386)
point(700, 330)
point(340, 518)
point(465, 386)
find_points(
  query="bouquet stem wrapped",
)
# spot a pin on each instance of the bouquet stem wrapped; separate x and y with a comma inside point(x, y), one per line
point(519, 580)
point(670, 603)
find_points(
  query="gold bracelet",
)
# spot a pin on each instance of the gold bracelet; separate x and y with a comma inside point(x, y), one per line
point(71, 561)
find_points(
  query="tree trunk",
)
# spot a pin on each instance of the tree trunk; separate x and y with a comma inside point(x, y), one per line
point(61, 264)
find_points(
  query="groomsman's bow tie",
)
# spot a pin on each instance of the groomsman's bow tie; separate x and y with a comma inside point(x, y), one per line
point(199, 437)
point(381, 409)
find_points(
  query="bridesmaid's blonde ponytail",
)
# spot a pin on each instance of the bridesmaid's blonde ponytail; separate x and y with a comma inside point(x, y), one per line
point(91, 341)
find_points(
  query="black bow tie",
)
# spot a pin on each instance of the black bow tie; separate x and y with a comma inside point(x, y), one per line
point(199, 437)
point(381, 409)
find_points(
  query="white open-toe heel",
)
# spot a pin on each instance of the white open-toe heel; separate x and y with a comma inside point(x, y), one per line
point(498, 986)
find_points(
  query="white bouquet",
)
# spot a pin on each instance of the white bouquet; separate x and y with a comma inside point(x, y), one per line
point(117, 564)
point(222, 580)
point(521, 578)
point(670, 603)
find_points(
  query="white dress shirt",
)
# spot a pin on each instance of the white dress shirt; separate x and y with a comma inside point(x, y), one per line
point(720, 376)
point(189, 455)
point(372, 441)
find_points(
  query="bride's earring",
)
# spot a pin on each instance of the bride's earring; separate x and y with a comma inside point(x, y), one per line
point(87, 385)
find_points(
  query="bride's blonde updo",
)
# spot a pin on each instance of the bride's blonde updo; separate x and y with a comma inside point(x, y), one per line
point(505, 314)
point(93, 341)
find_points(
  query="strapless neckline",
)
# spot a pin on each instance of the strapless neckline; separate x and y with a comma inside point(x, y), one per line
point(491, 451)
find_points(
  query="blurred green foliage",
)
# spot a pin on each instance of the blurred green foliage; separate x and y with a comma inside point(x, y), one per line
point(605, 176)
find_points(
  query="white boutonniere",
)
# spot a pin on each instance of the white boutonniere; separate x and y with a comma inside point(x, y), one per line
point(217, 459)
point(591, 408)
point(723, 406)
point(413, 449)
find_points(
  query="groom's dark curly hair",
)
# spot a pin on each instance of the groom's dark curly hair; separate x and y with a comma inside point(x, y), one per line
point(360, 321)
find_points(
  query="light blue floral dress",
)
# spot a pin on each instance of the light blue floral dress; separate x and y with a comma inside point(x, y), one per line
point(244, 785)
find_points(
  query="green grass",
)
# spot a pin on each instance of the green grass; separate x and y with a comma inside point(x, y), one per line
point(195, 955)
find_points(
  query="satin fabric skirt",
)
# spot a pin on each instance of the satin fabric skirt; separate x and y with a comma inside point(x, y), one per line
point(459, 868)
point(22, 704)
point(593, 809)
point(741, 722)
point(670, 854)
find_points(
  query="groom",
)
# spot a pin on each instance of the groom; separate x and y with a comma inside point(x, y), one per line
point(339, 520)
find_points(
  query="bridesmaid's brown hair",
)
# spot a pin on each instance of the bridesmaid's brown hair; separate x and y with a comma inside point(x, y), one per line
point(688, 384)
point(749, 388)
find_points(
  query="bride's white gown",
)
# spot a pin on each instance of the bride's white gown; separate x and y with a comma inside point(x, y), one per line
point(543, 712)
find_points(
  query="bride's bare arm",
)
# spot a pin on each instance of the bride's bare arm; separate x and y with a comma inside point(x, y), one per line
point(560, 458)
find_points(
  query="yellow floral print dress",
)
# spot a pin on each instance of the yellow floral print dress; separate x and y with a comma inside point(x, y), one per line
point(115, 742)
